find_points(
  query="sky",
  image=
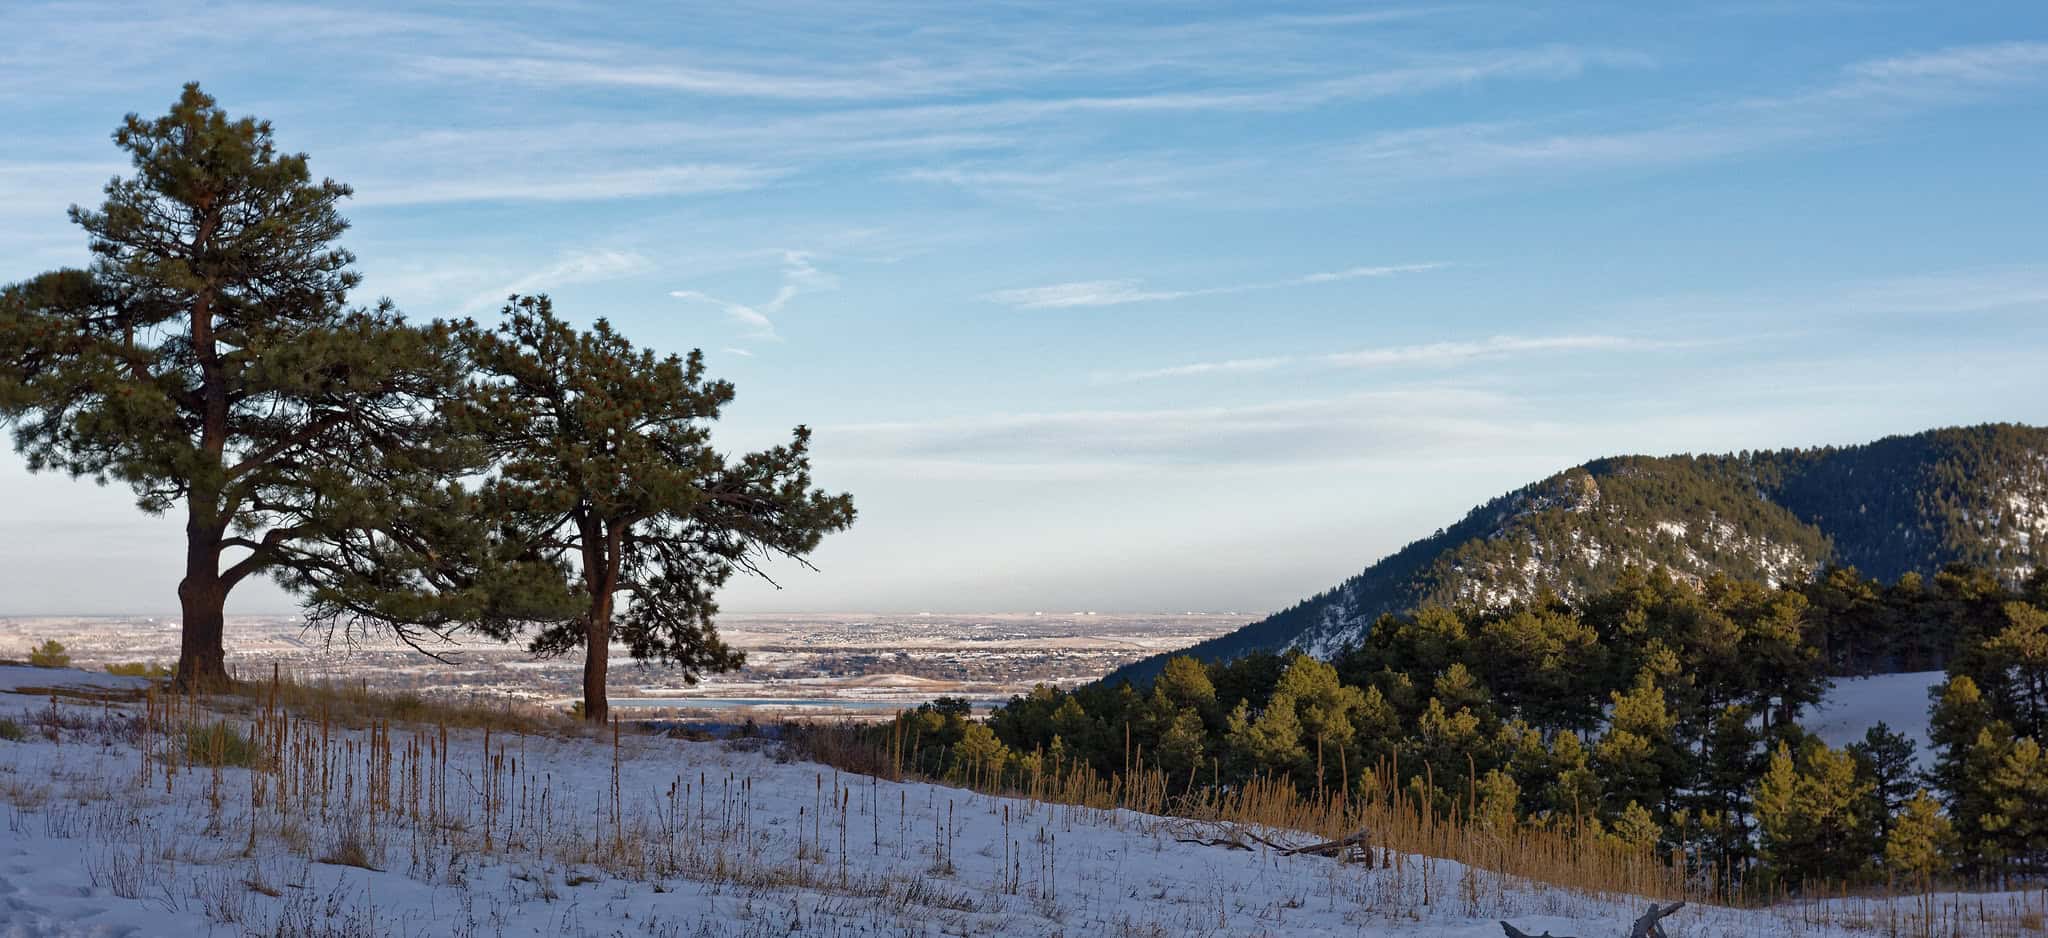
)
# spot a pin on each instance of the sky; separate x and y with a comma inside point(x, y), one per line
point(1128, 307)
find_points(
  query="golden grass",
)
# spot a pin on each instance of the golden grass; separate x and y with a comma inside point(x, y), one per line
point(354, 704)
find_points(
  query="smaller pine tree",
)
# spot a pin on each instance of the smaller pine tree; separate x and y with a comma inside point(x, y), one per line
point(49, 654)
point(1884, 759)
point(1922, 842)
point(1810, 810)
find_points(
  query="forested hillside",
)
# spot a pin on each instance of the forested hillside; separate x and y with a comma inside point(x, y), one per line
point(1655, 715)
point(1906, 504)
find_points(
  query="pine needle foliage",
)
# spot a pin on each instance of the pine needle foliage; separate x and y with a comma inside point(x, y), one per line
point(606, 473)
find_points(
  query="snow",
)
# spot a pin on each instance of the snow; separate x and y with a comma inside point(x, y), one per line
point(97, 848)
point(15, 678)
point(1855, 705)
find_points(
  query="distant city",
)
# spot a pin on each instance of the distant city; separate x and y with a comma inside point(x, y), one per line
point(811, 664)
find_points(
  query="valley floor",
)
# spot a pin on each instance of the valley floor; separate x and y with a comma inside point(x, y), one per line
point(375, 833)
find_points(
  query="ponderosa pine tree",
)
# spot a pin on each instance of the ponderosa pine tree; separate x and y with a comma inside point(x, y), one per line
point(604, 463)
point(1921, 844)
point(1886, 760)
point(2017, 825)
point(1812, 811)
point(208, 359)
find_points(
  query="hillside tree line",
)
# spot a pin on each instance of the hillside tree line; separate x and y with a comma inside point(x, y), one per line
point(1660, 713)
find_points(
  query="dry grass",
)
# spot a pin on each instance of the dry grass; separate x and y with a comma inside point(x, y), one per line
point(356, 706)
point(221, 743)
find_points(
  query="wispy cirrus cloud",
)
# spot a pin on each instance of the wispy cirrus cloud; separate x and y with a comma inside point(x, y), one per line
point(570, 185)
point(851, 85)
point(799, 276)
point(1983, 290)
point(1293, 431)
point(574, 267)
point(1121, 292)
point(1970, 65)
point(951, 75)
point(1431, 354)
point(1860, 97)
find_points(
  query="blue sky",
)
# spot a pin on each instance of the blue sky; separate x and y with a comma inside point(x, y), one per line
point(1131, 306)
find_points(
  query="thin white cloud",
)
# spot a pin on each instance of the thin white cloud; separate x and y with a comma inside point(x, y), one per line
point(1432, 354)
point(1354, 273)
point(1082, 293)
point(1862, 96)
point(859, 84)
point(1993, 63)
point(574, 267)
point(1987, 290)
point(1196, 369)
point(913, 80)
point(1121, 292)
point(569, 185)
point(799, 276)
point(1501, 346)
point(1283, 432)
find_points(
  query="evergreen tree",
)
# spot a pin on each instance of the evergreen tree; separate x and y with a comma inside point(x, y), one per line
point(1541, 661)
point(1638, 758)
point(1499, 803)
point(1323, 708)
point(1185, 683)
point(1183, 745)
point(208, 360)
point(1576, 793)
point(979, 752)
point(49, 654)
point(604, 463)
point(2018, 654)
point(1885, 760)
point(1270, 742)
point(1921, 842)
point(2017, 788)
point(1812, 814)
point(1733, 761)
point(1637, 828)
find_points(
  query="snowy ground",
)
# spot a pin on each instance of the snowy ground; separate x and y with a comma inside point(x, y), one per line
point(710, 839)
point(16, 678)
point(1856, 704)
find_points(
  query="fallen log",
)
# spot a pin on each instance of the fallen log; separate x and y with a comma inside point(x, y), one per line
point(1645, 926)
point(1514, 932)
point(1328, 848)
point(1234, 838)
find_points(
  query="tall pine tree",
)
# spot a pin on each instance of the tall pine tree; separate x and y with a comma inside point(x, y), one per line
point(208, 359)
point(604, 464)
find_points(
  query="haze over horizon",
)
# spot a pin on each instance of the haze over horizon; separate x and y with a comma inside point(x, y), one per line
point(1130, 309)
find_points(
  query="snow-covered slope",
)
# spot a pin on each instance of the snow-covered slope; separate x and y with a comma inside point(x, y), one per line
point(709, 839)
point(16, 678)
point(1855, 704)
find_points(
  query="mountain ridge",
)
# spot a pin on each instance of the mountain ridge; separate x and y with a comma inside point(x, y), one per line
point(1904, 503)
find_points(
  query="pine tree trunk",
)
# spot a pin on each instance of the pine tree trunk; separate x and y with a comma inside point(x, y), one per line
point(597, 638)
point(202, 600)
point(602, 543)
point(202, 595)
